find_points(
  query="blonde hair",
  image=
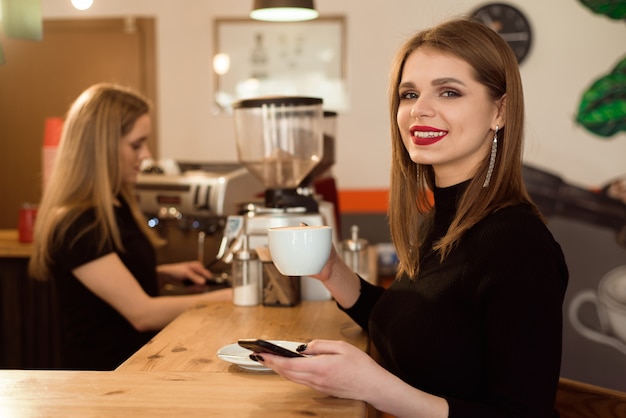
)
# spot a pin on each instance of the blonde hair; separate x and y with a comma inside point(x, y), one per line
point(410, 211)
point(87, 173)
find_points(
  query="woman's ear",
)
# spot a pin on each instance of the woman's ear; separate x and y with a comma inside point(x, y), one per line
point(501, 105)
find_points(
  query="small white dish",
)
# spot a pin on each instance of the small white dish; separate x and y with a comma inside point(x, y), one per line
point(236, 354)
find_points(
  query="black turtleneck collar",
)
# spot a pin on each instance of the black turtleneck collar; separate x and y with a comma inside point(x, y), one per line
point(446, 200)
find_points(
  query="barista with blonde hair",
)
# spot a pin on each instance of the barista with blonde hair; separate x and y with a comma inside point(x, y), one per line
point(93, 242)
point(472, 325)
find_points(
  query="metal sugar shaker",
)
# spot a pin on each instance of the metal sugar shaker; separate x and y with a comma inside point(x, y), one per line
point(355, 253)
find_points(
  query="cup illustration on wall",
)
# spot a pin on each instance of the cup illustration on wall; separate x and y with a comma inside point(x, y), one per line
point(610, 303)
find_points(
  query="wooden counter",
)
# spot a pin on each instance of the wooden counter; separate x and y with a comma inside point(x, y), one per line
point(53, 393)
point(178, 373)
point(11, 247)
point(191, 341)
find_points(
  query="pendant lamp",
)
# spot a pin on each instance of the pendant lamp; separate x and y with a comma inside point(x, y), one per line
point(283, 10)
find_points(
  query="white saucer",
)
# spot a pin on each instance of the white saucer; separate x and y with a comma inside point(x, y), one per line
point(236, 354)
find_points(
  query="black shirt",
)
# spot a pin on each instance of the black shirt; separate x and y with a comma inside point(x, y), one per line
point(483, 328)
point(96, 336)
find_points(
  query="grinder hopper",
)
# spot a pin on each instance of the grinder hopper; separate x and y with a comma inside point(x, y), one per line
point(280, 140)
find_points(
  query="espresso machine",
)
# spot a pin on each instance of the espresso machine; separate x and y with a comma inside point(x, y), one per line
point(189, 207)
point(280, 140)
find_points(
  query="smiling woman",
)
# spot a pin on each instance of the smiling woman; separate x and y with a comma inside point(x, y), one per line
point(463, 284)
point(445, 115)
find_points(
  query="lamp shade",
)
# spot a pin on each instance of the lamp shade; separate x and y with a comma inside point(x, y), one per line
point(283, 10)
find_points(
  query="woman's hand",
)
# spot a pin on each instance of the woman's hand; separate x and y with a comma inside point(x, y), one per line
point(333, 367)
point(188, 270)
point(331, 263)
point(340, 280)
point(339, 369)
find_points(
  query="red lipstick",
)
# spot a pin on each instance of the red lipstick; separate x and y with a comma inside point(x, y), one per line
point(426, 135)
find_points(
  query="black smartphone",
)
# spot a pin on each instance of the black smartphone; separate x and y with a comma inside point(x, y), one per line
point(263, 346)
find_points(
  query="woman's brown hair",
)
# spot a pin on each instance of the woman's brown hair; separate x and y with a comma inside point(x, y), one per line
point(495, 66)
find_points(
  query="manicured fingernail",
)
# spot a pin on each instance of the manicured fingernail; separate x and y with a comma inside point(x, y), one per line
point(253, 357)
point(301, 348)
point(259, 358)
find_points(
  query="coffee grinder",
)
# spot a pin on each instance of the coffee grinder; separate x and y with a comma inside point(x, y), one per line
point(280, 140)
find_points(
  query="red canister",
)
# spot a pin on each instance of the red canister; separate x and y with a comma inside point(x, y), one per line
point(26, 224)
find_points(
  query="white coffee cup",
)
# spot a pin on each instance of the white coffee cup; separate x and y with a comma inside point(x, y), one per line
point(610, 302)
point(300, 250)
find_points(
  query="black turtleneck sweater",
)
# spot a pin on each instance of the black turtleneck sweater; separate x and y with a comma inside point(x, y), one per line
point(483, 328)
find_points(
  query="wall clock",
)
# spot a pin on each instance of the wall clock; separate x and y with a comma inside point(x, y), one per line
point(510, 23)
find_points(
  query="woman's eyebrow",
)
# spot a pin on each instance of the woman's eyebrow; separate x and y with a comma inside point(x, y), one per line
point(446, 80)
point(435, 82)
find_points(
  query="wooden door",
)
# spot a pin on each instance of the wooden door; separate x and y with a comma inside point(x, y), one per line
point(40, 79)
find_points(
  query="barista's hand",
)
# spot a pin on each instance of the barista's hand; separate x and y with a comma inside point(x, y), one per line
point(188, 270)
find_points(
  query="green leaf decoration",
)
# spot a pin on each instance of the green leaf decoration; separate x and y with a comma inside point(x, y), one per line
point(602, 109)
point(22, 19)
point(620, 68)
point(614, 9)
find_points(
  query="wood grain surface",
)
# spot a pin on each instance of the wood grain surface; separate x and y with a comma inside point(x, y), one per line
point(54, 393)
point(581, 400)
point(191, 341)
point(11, 247)
point(178, 373)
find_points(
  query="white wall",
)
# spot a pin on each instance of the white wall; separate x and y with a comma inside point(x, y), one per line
point(572, 47)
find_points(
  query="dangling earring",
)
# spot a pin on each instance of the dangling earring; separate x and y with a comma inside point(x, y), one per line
point(492, 159)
